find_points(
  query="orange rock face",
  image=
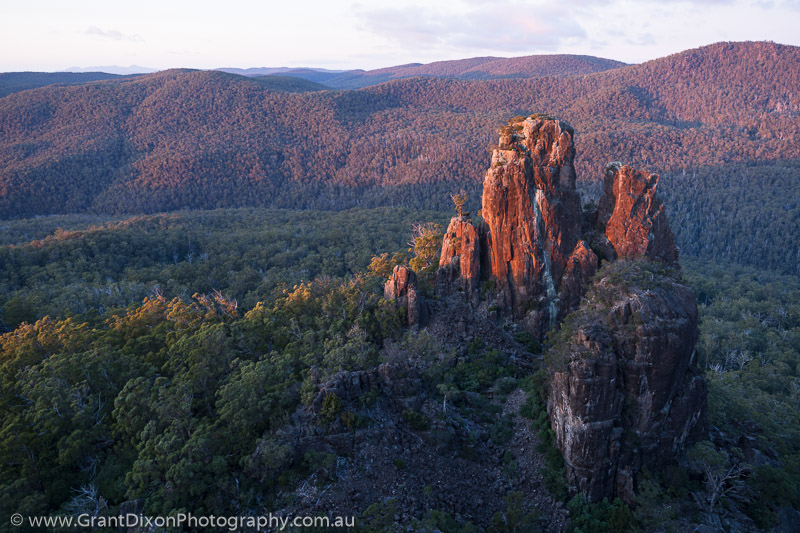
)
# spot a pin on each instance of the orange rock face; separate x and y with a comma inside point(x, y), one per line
point(581, 266)
point(632, 216)
point(532, 211)
point(460, 260)
point(531, 243)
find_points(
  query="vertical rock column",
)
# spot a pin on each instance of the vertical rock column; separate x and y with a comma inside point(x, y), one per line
point(632, 217)
point(628, 395)
point(463, 252)
point(402, 288)
point(533, 215)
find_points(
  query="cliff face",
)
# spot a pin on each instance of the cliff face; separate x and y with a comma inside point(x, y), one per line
point(623, 394)
point(530, 245)
point(533, 214)
point(631, 215)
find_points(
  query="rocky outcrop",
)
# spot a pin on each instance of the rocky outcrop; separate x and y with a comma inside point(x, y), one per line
point(531, 244)
point(624, 393)
point(393, 380)
point(580, 268)
point(463, 251)
point(631, 215)
point(402, 288)
point(533, 214)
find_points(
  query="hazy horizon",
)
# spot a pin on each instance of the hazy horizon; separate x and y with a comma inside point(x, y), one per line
point(52, 36)
point(144, 69)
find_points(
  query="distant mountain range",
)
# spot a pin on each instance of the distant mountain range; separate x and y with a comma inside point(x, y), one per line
point(320, 75)
point(204, 139)
point(479, 68)
point(12, 82)
point(114, 69)
point(476, 68)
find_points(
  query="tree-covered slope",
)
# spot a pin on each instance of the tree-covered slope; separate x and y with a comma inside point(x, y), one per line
point(12, 82)
point(208, 139)
point(720, 121)
point(193, 403)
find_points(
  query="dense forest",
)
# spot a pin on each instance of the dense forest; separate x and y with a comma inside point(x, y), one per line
point(12, 82)
point(77, 265)
point(195, 139)
point(478, 68)
point(171, 243)
point(136, 376)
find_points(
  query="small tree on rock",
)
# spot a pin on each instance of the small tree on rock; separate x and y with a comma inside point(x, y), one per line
point(425, 244)
point(460, 199)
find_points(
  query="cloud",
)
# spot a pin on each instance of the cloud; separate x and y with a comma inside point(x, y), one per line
point(641, 39)
point(501, 27)
point(113, 35)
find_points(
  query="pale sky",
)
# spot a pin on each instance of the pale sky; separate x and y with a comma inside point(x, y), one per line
point(52, 35)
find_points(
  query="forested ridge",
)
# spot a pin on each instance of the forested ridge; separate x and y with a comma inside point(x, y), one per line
point(198, 139)
point(12, 82)
point(477, 68)
point(81, 265)
point(129, 388)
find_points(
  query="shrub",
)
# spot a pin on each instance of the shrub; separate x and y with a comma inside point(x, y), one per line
point(320, 462)
point(418, 421)
point(515, 519)
point(534, 408)
point(527, 340)
point(380, 515)
point(601, 517)
point(501, 431)
point(331, 405)
point(488, 286)
point(504, 385)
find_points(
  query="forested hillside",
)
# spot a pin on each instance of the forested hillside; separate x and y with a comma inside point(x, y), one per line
point(119, 402)
point(290, 84)
point(479, 68)
point(79, 265)
point(718, 121)
point(12, 82)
